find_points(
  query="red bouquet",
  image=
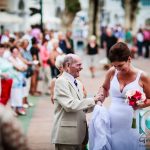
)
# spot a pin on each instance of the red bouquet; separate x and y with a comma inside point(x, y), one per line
point(135, 98)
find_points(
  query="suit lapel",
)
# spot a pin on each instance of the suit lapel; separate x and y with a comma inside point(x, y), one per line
point(73, 86)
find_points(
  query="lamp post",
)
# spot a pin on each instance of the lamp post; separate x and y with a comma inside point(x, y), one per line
point(40, 11)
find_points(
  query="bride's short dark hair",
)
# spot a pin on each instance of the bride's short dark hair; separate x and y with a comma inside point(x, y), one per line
point(119, 52)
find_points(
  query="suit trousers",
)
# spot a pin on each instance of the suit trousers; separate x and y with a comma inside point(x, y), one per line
point(67, 147)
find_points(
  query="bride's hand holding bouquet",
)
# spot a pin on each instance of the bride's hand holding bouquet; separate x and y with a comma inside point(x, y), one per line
point(135, 99)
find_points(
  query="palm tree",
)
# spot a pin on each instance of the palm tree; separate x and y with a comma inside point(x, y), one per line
point(130, 7)
point(71, 8)
point(95, 7)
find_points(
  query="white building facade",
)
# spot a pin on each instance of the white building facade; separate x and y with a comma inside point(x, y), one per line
point(50, 8)
point(113, 13)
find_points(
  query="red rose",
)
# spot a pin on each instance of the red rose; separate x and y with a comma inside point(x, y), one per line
point(132, 103)
point(137, 95)
point(134, 98)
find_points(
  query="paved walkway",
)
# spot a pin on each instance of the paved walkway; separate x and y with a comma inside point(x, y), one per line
point(39, 131)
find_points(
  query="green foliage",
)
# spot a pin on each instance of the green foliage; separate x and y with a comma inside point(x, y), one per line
point(72, 6)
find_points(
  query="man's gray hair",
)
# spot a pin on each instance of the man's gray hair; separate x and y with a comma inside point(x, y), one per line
point(68, 59)
point(59, 61)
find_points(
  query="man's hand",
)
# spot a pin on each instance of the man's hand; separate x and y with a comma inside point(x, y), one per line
point(96, 98)
point(101, 94)
point(99, 97)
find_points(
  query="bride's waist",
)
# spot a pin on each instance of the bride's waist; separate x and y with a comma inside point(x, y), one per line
point(118, 100)
point(119, 104)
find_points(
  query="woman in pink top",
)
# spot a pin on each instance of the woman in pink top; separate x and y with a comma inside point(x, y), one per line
point(44, 54)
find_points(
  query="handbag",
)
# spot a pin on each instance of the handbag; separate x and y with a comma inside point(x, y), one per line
point(49, 62)
point(6, 85)
point(29, 72)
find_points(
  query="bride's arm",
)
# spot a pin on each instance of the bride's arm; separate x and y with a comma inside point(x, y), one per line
point(104, 89)
point(145, 81)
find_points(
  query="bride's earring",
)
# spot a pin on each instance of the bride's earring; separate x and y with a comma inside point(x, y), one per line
point(129, 59)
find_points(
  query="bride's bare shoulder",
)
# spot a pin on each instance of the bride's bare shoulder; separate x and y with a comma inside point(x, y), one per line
point(145, 77)
point(111, 72)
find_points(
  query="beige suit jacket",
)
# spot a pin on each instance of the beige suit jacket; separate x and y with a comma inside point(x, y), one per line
point(69, 119)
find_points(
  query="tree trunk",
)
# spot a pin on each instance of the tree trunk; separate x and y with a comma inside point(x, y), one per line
point(67, 19)
point(133, 15)
point(91, 13)
point(94, 18)
point(71, 8)
point(98, 11)
point(130, 14)
point(127, 14)
point(133, 25)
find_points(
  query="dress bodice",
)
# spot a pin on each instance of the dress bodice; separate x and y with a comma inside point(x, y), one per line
point(115, 91)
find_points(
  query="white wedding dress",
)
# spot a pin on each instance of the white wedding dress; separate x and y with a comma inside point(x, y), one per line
point(122, 136)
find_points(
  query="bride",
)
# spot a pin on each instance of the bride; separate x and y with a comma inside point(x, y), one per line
point(120, 78)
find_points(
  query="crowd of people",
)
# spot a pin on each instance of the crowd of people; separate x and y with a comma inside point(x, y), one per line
point(137, 42)
point(25, 55)
point(22, 58)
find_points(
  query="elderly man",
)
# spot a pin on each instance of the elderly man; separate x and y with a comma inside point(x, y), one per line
point(69, 129)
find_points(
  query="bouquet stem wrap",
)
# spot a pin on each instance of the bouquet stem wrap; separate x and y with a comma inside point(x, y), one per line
point(134, 120)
